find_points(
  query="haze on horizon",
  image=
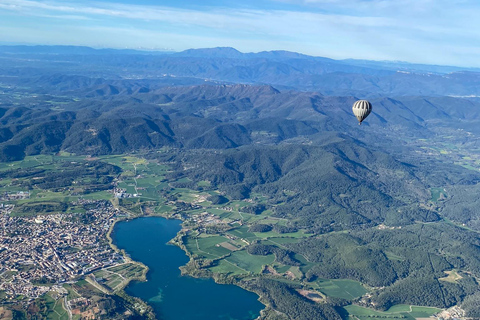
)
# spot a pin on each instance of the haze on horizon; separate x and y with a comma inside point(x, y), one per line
point(440, 32)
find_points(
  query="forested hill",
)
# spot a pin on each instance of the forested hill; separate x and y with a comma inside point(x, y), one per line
point(325, 188)
point(210, 116)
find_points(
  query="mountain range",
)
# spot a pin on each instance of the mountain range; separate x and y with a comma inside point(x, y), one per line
point(284, 70)
point(120, 118)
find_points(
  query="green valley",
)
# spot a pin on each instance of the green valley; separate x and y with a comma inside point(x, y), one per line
point(234, 242)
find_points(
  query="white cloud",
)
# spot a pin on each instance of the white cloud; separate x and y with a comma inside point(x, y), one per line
point(418, 30)
point(249, 19)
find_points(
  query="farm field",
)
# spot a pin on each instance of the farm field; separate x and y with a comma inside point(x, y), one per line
point(53, 308)
point(345, 289)
point(225, 267)
point(250, 262)
point(115, 278)
point(241, 262)
point(395, 312)
point(72, 294)
point(207, 247)
point(243, 233)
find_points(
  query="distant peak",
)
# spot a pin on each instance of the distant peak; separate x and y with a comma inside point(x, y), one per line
point(216, 49)
point(218, 52)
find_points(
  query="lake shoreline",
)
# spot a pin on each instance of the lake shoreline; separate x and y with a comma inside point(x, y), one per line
point(185, 256)
point(146, 308)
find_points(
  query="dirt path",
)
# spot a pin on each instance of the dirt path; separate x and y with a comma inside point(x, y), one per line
point(66, 306)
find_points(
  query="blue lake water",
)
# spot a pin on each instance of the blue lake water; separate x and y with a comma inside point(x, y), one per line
point(172, 296)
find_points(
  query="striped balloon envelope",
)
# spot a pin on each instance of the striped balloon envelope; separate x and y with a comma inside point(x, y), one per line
point(361, 110)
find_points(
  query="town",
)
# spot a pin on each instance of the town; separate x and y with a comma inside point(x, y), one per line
point(54, 249)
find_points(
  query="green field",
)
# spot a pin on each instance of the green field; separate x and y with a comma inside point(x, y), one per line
point(399, 308)
point(204, 183)
point(53, 308)
point(436, 193)
point(273, 234)
point(392, 256)
point(422, 312)
point(28, 162)
point(296, 272)
point(100, 195)
point(239, 203)
point(115, 277)
point(250, 262)
point(345, 289)
point(466, 165)
point(395, 312)
point(280, 268)
point(243, 233)
point(279, 241)
point(241, 262)
point(232, 215)
point(72, 294)
point(266, 219)
point(207, 247)
point(226, 267)
point(140, 176)
point(357, 312)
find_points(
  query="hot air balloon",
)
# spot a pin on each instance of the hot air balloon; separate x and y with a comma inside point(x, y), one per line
point(361, 110)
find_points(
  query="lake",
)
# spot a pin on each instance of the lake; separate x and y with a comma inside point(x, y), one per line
point(172, 296)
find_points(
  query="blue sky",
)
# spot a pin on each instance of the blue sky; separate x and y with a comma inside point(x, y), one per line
point(423, 31)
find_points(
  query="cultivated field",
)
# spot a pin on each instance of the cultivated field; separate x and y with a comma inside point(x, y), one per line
point(395, 312)
point(116, 277)
point(345, 289)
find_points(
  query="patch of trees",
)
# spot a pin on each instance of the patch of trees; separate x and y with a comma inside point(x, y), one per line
point(323, 191)
point(420, 246)
point(184, 206)
point(218, 199)
point(420, 291)
point(21, 314)
point(21, 173)
point(260, 227)
point(237, 191)
point(254, 209)
point(217, 228)
point(462, 205)
point(341, 256)
point(43, 281)
point(471, 305)
point(284, 229)
point(42, 207)
point(406, 215)
point(86, 218)
point(283, 256)
point(184, 184)
point(285, 299)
